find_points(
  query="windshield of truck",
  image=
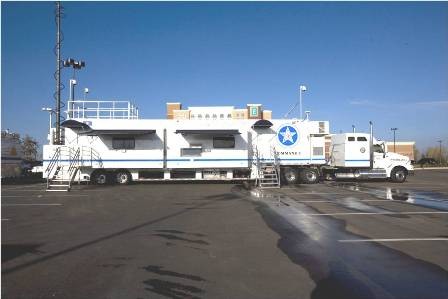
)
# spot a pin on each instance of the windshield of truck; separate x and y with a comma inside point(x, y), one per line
point(377, 148)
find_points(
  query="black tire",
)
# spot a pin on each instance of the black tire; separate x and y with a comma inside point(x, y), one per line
point(123, 177)
point(398, 174)
point(309, 175)
point(290, 175)
point(100, 178)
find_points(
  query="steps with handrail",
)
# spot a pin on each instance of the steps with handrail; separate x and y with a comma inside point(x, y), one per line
point(65, 164)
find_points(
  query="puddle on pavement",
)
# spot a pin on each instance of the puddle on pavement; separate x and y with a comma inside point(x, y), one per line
point(338, 271)
point(427, 199)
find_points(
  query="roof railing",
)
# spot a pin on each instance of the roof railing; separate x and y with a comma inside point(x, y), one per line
point(92, 109)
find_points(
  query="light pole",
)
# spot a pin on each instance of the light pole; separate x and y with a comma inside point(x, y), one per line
point(394, 129)
point(302, 88)
point(86, 91)
point(76, 65)
point(50, 112)
point(440, 151)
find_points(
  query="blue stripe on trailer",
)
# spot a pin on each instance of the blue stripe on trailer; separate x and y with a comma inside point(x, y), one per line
point(194, 159)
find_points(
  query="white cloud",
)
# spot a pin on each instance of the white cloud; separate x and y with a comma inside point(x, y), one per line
point(432, 103)
point(361, 103)
point(421, 104)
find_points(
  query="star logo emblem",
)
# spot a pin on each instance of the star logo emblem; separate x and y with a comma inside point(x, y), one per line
point(287, 135)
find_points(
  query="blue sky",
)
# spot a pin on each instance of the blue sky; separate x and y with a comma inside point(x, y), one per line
point(380, 61)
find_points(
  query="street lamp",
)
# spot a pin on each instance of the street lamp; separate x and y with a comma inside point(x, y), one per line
point(394, 129)
point(76, 65)
point(50, 112)
point(86, 91)
point(302, 88)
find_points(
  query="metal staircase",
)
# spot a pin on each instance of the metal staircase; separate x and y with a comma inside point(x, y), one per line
point(62, 169)
point(65, 165)
point(268, 170)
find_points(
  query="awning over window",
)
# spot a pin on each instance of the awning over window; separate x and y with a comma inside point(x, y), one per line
point(207, 132)
point(119, 132)
point(74, 124)
point(262, 124)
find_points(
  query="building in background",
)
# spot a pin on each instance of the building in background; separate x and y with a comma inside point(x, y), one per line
point(12, 155)
point(405, 148)
point(252, 111)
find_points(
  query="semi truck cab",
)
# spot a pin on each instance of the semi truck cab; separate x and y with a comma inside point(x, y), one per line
point(358, 155)
point(397, 166)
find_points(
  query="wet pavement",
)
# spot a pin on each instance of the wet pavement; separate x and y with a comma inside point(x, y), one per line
point(331, 240)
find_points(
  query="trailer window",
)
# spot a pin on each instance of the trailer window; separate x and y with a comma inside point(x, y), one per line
point(351, 138)
point(318, 151)
point(224, 142)
point(190, 151)
point(361, 139)
point(123, 143)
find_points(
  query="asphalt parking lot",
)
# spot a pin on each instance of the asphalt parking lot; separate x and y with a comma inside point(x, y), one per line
point(330, 240)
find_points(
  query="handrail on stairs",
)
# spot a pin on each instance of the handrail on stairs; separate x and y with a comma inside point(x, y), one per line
point(73, 166)
point(67, 160)
point(53, 162)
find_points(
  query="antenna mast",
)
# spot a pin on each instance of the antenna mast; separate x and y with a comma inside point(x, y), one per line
point(58, 73)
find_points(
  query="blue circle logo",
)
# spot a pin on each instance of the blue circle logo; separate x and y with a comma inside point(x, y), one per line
point(287, 135)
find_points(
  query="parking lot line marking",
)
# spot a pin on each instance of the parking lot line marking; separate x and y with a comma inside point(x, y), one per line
point(392, 240)
point(338, 201)
point(42, 196)
point(22, 187)
point(5, 219)
point(43, 190)
point(19, 190)
point(315, 193)
point(367, 213)
point(30, 204)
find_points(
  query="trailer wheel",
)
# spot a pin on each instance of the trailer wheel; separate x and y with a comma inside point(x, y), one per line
point(398, 174)
point(123, 177)
point(290, 175)
point(100, 177)
point(309, 175)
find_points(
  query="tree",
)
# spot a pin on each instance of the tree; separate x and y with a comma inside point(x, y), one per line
point(29, 146)
point(417, 154)
point(434, 152)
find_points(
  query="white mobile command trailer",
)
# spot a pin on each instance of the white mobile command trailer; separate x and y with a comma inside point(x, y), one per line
point(106, 142)
point(361, 156)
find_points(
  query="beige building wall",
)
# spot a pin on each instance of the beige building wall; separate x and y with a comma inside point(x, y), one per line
point(175, 111)
point(181, 114)
point(327, 146)
point(170, 107)
point(267, 114)
point(239, 114)
point(402, 148)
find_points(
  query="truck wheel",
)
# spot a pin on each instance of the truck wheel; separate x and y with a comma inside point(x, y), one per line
point(309, 175)
point(100, 178)
point(123, 177)
point(398, 174)
point(290, 175)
